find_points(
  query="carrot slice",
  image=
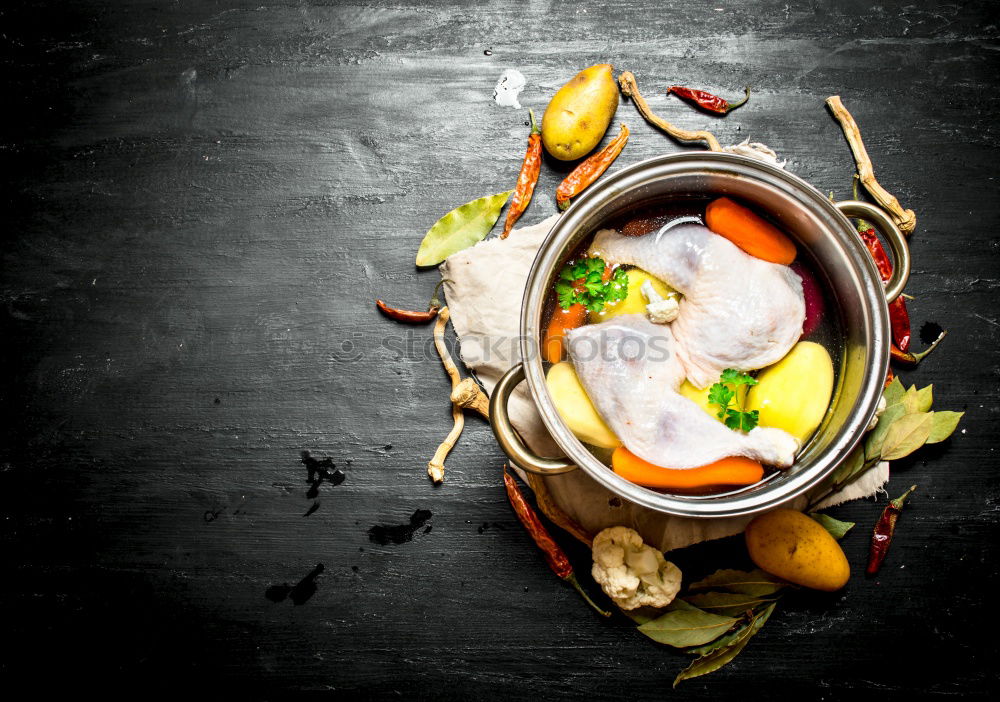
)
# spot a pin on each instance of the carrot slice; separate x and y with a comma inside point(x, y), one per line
point(561, 322)
point(749, 231)
point(735, 470)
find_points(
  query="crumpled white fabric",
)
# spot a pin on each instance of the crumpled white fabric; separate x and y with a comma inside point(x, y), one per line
point(484, 285)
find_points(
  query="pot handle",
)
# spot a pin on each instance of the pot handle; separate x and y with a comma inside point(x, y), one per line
point(507, 437)
point(897, 242)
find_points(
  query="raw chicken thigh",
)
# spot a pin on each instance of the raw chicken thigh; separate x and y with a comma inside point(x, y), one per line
point(738, 311)
point(631, 370)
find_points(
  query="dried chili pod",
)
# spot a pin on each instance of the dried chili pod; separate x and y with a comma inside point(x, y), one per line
point(526, 179)
point(908, 359)
point(554, 555)
point(884, 529)
point(899, 317)
point(708, 101)
point(413, 316)
point(590, 170)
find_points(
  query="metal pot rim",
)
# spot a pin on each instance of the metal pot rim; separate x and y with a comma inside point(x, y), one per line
point(875, 317)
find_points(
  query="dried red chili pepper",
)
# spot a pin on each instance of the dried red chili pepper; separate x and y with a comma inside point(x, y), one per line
point(413, 316)
point(526, 179)
point(899, 317)
point(554, 555)
point(590, 170)
point(707, 101)
point(884, 529)
point(908, 359)
point(889, 375)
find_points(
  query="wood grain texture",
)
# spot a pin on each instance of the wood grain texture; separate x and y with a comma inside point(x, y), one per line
point(201, 202)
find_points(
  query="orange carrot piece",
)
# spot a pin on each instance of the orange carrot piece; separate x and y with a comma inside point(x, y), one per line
point(749, 231)
point(561, 322)
point(735, 470)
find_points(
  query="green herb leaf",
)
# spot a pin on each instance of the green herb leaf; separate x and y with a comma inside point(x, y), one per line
point(731, 604)
point(731, 376)
point(906, 435)
point(720, 395)
point(687, 627)
point(723, 393)
point(754, 582)
point(741, 421)
point(836, 527)
point(721, 656)
point(464, 226)
point(944, 423)
point(925, 398)
point(583, 282)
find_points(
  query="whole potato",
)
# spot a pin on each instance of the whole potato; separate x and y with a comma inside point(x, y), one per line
point(794, 394)
point(575, 407)
point(795, 547)
point(580, 113)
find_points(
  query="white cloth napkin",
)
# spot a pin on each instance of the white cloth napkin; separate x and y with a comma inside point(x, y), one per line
point(484, 285)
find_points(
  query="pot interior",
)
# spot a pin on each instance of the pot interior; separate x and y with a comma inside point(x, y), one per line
point(825, 240)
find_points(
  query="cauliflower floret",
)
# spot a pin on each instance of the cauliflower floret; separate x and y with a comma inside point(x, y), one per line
point(660, 310)
point(878, 413)
point(632, 573)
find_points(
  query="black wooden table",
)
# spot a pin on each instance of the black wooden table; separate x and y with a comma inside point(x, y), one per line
point(202, 199)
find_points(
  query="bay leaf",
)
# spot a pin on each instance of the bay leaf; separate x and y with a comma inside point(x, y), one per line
point(851, 465)
point(729, 638)
point(873, 443)
point(836, 527)
point(638, 617)
point(731, 604)
point(945, 422)
point(754, 582)
point(893, 392)
point(719, 657)
point(464, 226)
point(687, 627)
point(911, 400)
point(925, 398)
point(906, 435)
point(678, 603)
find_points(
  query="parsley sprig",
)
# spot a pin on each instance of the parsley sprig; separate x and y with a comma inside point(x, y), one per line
point(582, 282)
point(724, 394)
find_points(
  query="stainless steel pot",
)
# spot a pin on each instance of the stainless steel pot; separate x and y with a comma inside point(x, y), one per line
point(824, 236)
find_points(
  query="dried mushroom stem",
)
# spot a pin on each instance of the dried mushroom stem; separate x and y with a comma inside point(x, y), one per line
point(906, 220)
point(435, 467)
point(631, 90)
point(468, 395)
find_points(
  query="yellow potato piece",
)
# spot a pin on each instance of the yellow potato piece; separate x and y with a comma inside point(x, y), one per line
point(792, 546)
point(579, 113)
point(794, 393)
point(635, 301)
point(700, 397)
point(576, 409)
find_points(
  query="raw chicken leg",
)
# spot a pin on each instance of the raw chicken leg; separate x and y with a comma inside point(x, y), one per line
point(738, 311)
point(631, 371)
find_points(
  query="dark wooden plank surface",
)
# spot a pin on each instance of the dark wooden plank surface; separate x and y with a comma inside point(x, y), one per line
point(200, 201)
